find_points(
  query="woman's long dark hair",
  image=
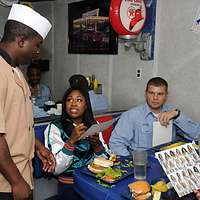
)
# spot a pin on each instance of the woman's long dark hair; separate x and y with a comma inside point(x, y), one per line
point(87, 119)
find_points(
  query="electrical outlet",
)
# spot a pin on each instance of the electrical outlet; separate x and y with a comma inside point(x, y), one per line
point(138, 73)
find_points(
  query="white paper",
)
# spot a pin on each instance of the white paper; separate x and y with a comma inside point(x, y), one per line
point(96, 128)
point(161, 134)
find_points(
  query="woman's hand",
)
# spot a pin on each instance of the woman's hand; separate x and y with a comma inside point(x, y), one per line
point(94, 139)
point(95, 142)
point(76, 133)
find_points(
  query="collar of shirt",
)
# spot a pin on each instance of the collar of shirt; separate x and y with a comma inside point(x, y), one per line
point(6, 57)
point(147, 110)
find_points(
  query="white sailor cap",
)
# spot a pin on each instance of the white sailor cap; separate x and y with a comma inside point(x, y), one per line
point(31, 18)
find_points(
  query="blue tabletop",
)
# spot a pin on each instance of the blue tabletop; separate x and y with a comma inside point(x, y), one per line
point(89, 189)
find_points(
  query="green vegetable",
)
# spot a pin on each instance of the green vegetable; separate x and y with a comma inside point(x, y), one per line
point(104, 184)
point(115, 173)
point(129, 164)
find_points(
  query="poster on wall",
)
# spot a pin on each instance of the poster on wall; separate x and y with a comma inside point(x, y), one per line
point(89, 29)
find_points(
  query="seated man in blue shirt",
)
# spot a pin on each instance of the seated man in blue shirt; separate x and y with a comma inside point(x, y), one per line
point(135, 127)
point(40, 92)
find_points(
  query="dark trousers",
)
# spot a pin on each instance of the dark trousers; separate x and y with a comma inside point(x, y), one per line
point(66, 192)
point(8, 196)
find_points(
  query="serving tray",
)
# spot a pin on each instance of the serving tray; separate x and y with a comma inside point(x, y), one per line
point(124, 164)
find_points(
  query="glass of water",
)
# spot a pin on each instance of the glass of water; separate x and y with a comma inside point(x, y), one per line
point(140, 164)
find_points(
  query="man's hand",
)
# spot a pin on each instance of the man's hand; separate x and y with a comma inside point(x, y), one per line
point(45, 156)
point(165, 117)
point(21, 190)
point(197, 192)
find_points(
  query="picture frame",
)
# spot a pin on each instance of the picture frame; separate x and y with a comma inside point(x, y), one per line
point(89, 28)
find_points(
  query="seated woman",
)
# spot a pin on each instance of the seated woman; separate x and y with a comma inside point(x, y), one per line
point(63, 139)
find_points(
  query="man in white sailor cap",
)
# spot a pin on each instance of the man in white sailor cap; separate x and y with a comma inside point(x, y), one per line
point(24, 32)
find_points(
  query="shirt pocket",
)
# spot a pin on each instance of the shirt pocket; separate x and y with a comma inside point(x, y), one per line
point(145, 136)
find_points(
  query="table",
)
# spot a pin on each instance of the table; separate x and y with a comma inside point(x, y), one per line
point(87, 187)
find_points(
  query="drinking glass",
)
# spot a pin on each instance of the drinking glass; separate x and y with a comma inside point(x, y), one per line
point(140, 164)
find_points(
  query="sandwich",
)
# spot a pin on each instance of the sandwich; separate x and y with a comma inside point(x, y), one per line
point(99, 164)
point(140, 190)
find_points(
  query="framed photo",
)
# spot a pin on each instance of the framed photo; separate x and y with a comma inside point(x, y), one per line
point(90, 31)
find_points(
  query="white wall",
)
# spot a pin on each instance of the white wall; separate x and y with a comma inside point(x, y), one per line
point(178, 51)
point(3, 16)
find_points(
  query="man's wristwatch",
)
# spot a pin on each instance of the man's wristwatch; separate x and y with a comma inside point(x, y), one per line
point(179, 112)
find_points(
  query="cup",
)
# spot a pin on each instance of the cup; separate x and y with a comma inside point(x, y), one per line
point(140, 164)
point(59, 108)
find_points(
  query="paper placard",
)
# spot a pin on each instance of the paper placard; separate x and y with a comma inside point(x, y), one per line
point(161, 134)
point(96, 128)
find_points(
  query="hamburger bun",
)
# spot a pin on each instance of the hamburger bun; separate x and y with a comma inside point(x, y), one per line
point(99, 164)
point(140, 190)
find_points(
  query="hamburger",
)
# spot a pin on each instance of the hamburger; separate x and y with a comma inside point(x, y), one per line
point(140, 190)
point(99, 164)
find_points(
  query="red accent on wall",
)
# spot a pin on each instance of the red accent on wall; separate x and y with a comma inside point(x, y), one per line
point(117, 24)
point(107, 133)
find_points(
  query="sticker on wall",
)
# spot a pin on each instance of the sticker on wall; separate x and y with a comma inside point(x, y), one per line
point(196, 22)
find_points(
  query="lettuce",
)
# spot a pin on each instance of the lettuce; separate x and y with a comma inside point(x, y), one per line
point(114, 173)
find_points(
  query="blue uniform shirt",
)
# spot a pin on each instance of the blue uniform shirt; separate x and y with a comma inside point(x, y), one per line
point(135, 129)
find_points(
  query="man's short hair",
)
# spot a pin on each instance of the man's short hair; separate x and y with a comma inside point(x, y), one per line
point(157, 81)
point(33, 66)
point(14, 29)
